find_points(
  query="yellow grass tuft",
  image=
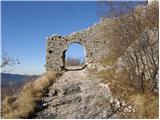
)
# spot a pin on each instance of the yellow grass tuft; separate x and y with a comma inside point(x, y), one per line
point(25, 104)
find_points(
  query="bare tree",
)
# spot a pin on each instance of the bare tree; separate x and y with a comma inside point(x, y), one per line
point(6, 60)
point(135, 35)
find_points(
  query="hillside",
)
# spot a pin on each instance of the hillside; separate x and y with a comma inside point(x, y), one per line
point(121, 81)
point(12, 83)
point(15, 78)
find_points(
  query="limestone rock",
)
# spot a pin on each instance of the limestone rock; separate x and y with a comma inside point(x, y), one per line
point(79, 96)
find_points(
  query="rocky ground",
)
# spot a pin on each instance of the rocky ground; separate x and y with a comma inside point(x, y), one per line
point(77, 95)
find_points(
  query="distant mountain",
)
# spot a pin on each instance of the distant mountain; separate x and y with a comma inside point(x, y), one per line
point(7, 78)
point(11, 84)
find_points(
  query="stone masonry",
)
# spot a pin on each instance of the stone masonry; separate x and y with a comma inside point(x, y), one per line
point(91, 39)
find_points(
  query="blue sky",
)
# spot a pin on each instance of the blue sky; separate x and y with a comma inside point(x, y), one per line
point(72, 51)
point(25, 26)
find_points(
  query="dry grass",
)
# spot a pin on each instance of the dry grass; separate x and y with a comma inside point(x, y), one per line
point(25, 103)
point(146, 104)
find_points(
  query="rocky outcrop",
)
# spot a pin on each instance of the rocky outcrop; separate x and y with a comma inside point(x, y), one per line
point(75, 95)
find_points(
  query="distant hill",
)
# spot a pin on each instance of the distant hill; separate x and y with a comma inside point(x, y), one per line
point(12, 83)
point(7, 78)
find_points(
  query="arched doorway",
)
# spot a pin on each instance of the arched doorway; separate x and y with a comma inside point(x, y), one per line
point(74, 57)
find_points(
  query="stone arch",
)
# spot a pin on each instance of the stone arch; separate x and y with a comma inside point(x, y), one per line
point(64, 54)
point(96, 40)
point(91, 39)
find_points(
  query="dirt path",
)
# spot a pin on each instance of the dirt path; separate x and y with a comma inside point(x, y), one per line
point(77, 95)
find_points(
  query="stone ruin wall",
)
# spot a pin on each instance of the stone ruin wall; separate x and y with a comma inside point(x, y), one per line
point(91, 39)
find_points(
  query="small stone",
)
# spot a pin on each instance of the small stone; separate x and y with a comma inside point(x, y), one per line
point(111, 100)
point(53, 93)
point(123, 103)
point(44, 104)
point(130, 107)
point(133, 110)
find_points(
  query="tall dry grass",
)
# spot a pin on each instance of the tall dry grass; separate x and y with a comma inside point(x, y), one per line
point(146, 104)
point(25, 103)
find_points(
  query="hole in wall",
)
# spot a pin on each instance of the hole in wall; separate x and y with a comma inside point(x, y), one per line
point(74, 56)
point(50, 51)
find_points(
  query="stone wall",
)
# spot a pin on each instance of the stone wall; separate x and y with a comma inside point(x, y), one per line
point(98, 40)
point(91, 39)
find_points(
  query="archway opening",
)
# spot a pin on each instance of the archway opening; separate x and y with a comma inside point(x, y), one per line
point(75, 57)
